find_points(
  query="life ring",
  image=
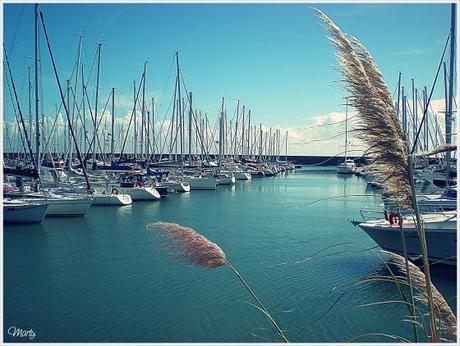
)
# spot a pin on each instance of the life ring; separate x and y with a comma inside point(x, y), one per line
point(395, 219)
point(114, 191)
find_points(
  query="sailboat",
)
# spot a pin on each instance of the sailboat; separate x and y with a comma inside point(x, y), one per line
point(18, 211)
point(347, 166)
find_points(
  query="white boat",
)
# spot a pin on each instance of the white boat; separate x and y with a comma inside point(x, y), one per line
point(113, 198)
point(242, 175)
point(177, 186)
point(203, 183)
point(428, 203)
point(63, 205)
point(268, 172)
point(347, 167)
point(225, 179)
point(141, 193)
point(18, 211)
point(440, 232)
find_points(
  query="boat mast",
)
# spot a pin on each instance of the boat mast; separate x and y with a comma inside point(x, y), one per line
point(285, 159)
point(221, 134)
point(404, 115)
point(153, 128)
point(414, 113)
point(236, 128)
point(74, 104)
point(242, 135)
point(346, 130)
point(112, 134)
point(30, 102)
point(451, 90)
point(190, 130)
point(249, 134)
point(95, 102)
point(260, 144)
point(37, 99)
point(135, 121)
point(179, 110)
point(425, 124)
point(399, 94)
point(143, 111)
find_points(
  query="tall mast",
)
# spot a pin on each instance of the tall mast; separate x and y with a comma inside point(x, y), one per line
point(153, 128)
point(74, 104)
point(190, 131)
point(425, 124)
point(235, 152)
point(346, 130)
point(30, 101)
point(242, 136)
point(135, 120)
point(37, 99)
point(260, 144)
point(112, 132)
point(404, 115)
point(414, 113)
point(179, 112)
point(399, 94)
point(286, 146)
point(66, 129)
point(221, 134)
point(96, 101)
point(85, 148)
point(451, 90)
point(249, 133)
point(143, 111)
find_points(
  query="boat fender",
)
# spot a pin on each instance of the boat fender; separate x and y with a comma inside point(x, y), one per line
point(139, 184)
point(114, 191)
point(395, 218)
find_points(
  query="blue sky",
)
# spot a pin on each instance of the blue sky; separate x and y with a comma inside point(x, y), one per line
point(274, 57)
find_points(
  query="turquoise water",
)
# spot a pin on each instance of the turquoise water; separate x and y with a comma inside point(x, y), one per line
point(103, 278)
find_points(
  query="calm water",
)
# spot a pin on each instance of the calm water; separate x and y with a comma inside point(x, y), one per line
point(102, 278)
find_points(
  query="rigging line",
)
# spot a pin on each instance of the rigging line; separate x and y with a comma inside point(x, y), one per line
point(328, 124)
point(97, 128)
point(414, 145)
point(88, 186)
point(160, 107)
point(325, 139)
point(15, 115)
point(95, 125)
point(16, 29)
point(19, 110)
point(131, 117)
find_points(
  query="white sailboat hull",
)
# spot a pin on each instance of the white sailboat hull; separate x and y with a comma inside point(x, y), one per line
point(345, 168)
point(208, 183)
point(68, 207)
point(112, 199)
point(141, 193)
point(226, 180)
point(441, 237)
point(243, 176)
point(178, 186)
point(24, 213)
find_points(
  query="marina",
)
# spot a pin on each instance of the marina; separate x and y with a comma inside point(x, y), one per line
point(148, 204)
point(106, 267)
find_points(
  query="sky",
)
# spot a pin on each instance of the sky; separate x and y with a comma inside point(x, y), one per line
point(275, 58)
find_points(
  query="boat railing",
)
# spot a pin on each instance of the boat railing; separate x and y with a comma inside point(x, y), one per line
point(372, 213)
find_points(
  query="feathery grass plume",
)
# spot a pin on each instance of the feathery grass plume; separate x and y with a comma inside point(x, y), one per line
point(378, 123)
point(188, 245)
point(380, 128)
point(447, 319)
